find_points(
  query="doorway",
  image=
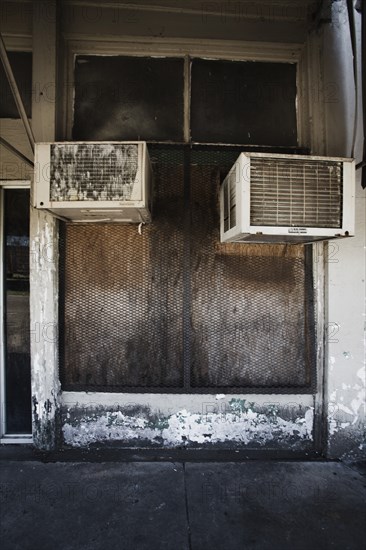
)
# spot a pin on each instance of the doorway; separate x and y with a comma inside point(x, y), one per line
point(16, 424)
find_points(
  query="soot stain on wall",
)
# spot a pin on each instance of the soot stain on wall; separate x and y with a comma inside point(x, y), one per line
point(132, 301)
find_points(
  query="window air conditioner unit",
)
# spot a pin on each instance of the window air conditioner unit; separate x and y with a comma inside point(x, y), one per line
point(94, 181)
point(287, 199)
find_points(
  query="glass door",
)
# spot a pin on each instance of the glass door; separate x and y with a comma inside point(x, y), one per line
point(16, 371)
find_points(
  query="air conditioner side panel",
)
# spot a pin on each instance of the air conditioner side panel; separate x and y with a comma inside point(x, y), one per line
point(230, 233)
point(349, 197)
point(147, 182)
point(221, 204)
point(138, 187)
point(242, 188)
point(42, 167)
point(243, 183)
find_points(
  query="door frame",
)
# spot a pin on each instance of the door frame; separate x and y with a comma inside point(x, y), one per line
point(4, 436)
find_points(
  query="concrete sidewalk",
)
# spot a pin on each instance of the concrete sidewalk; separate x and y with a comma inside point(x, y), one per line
point(260, 505)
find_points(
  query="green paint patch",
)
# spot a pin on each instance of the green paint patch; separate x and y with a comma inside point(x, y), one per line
point(158, 424)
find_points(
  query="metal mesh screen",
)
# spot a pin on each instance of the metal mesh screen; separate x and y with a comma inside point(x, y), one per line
point(123, 296)
point(173, 309)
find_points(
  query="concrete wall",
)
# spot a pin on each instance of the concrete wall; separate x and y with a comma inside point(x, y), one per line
point(220, 421)
point(279, 21)
point(346, 288)
point(183, 419)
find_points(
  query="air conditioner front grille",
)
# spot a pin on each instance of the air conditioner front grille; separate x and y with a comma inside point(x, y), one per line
point(305, 193)
point(93, 171)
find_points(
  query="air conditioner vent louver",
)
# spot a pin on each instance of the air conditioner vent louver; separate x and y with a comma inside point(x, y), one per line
point(287, 193)
point(94, 181)
point(284, 198)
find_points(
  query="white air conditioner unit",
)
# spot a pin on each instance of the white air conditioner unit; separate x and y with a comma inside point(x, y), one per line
point(287, 199)
point(94, 181)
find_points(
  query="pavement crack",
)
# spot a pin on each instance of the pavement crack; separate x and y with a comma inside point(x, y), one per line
point(187, 508)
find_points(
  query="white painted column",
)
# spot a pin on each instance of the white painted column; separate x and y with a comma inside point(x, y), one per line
point(345, 370)
point(44, 242)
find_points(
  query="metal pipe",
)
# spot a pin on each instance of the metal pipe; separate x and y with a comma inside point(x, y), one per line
point(14, 88)
point(15, 151)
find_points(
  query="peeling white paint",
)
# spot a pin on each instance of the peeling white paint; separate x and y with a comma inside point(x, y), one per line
point(332, 426)
point(350, 400)
point(309, 420)
point(345, 409)
point(332, 362)
point(361, 373)
point(44, 314)
point(184, 427)
point(346, 275)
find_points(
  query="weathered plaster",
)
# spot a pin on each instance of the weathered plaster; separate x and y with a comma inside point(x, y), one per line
point(346, 338)
point(44, 312)
point(346, 418)
point(44, 246)
point(234, 421)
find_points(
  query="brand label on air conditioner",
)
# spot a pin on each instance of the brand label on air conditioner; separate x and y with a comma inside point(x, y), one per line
point(297, 230)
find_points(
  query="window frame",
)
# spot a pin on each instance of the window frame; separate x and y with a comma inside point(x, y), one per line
point(7, 437)
point(18, 43)
point(188, 50)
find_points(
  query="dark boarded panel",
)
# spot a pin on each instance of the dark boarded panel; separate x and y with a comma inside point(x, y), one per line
point(128, 98)
point(243, 102)
point(175, 310)
point(21, 64)
point(123, 296)
point(248, 301)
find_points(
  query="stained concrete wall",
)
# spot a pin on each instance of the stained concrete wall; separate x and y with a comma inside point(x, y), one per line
point(220, 421)
point(91, 418)
point(346, 266)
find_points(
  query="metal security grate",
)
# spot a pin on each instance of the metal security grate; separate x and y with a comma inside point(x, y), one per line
point(296, 192)
point(123, 296)
point(173, 309)
point(250, 303)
